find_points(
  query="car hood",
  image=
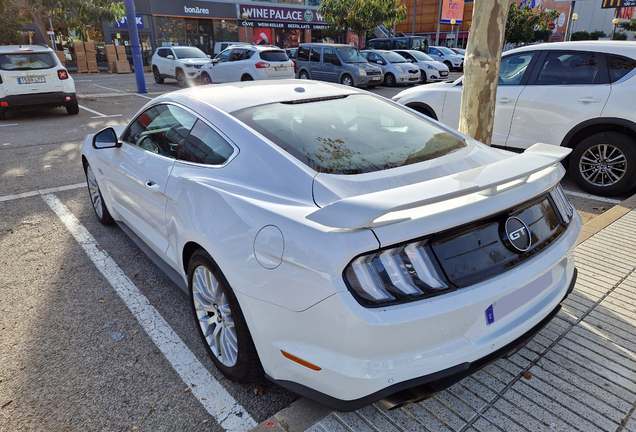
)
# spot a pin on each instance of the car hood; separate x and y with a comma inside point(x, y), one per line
point(434, 87)
point(195, 61)
point(437, 65)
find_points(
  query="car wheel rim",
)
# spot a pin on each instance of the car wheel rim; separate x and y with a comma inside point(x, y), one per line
point(206, 79)
point(157, 77)
point(181, 80)
point(603, 165)
point(347, 81)
point(214, 316)
point(93, 189)
point(304, 76)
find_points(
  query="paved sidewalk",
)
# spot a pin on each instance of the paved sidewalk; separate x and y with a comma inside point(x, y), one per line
point(577, 374)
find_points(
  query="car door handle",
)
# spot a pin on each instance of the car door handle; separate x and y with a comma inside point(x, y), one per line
point(151, 185)
point(505, 100)
point(589, 99)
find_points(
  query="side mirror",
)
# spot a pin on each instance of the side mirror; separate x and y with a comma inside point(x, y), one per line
point(209, 56)
point(440, 55)
point(214, 61)
point(410, 60)
point(170, 57)
point(106, 138)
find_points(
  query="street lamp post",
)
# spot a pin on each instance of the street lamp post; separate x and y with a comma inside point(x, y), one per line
point(575, 16)
point(453, 21)
point(245, 17)
point(614, 21)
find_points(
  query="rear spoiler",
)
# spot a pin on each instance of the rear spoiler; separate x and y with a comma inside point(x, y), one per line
point(361, 211)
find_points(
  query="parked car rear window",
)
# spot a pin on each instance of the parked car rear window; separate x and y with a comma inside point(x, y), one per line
point(27, 61)
point(350, 135)
point(274, 55)
point(619, 66)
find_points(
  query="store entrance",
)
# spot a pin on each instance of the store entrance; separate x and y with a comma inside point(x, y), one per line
point(199, 33)
point(146, 46)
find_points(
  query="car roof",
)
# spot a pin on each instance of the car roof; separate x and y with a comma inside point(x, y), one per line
point(235, 96)
point(325, 44)
point(24, 48)
point(597, 46)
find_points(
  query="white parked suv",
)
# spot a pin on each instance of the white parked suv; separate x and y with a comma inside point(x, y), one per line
point(430, 69)
point(447, 56)
point(182, 63)
point(33, 77)
point(570, 94)
point(248, 63)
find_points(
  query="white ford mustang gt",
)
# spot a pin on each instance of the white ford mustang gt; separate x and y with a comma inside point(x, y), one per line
point(349, 248)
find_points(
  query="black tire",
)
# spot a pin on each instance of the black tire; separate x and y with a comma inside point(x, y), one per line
point(247, 77)
point(449, 65)
point(389, 80)
point(97, 200)
point(303, 75)
point(346, 80)
point(247, 365)
point(422, 110)
point(423, 77)
point(205, 78)
point(181, 79)
point(590, 170)
point(73, 109)
point(3, 115)
point(157, 75)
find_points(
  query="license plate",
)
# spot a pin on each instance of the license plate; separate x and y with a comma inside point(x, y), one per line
point(444, 73)
point(375, 79)
point(280, 69)
point(31, 80)
point(518, 298)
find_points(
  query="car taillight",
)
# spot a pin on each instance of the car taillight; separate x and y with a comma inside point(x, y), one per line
point(62, 74)
point(405, 273)
point(262, 65)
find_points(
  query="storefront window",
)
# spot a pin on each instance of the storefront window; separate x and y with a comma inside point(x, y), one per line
point(170, 31)
point(225, 30)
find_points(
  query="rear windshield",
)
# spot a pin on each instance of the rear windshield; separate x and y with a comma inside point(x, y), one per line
point(186, 53)
point(274, 55)
point(27, 61)
point(350, 135)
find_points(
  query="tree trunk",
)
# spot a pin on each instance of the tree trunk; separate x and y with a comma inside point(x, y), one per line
point(481, 68)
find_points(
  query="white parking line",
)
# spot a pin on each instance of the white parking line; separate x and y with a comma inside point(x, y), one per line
point(108, 88)
point(593, 197)
point(212, 395)
point(10, 124)
point(99, 115)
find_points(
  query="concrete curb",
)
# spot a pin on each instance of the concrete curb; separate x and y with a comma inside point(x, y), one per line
point(303, 414)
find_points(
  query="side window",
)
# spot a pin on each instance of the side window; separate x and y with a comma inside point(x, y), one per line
point(433, 51)
point(205, 146)
point(163, 53)
point(224, 56)
point(513, 67)
point(619, 67)
point(371, 45)
point(303, 54)
point(416, 44)
point(315, 55)
point(571, 68)
point(384, 45)
point(328, 56)
point(400, 44)
point(160, 129)
point(237, 54)
point(407, 56)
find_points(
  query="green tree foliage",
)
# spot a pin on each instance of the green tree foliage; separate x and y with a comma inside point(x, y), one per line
point(522, 21)
point(597, 34)
point(360, 16)
point(581, 35)
point(620, 35)
point(10, 23)
point(76, 13)
point(628, 25)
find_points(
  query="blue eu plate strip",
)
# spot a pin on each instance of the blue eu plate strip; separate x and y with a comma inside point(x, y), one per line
point(490, 315)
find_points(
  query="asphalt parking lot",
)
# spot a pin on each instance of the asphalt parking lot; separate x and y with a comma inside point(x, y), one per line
point(93, 336)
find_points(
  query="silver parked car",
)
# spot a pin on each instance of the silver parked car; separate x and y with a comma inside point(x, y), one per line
point(430, 69)
point(396, 69)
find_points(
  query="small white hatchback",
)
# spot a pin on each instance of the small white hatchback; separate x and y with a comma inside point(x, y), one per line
point(248, 63)
point(32, 77)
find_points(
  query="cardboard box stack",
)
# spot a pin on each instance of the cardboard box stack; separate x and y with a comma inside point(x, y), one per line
point(91, 61)
point(61, 56)
point(80, 54)
point(111, 57)
point(122, 65)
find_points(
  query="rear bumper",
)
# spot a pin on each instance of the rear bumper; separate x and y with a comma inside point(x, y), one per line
point(427, 386)
point(38, 100)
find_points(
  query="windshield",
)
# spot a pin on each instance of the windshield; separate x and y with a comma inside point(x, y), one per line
point(394, 57)
point(447, 51)
point(350, 134)
point(27, 61)
point(421, 56)
point(187, 52)
point(351, 55)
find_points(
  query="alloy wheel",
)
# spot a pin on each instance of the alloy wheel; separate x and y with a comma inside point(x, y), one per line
point(603, 165)
point(93, 189)
point(215, 316)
